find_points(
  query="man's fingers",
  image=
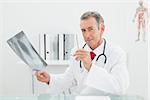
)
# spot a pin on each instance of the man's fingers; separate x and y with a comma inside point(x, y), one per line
point(79, 57)
point(78, 54)
point(40, 79)
point(40, 74)
point(81, 50)
point(81, 54)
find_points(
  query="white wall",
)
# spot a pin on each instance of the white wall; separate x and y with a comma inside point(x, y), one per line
point(35, 18)
point(1, 49)
point(149, 52)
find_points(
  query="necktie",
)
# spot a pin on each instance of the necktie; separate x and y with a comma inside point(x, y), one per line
point(92, 54)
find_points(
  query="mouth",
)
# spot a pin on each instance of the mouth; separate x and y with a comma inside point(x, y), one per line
point(89, 40)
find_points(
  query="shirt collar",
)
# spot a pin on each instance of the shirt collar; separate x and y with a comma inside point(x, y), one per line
point(98, 50)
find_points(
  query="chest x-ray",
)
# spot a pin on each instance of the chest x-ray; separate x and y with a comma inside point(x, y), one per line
point(24, 49)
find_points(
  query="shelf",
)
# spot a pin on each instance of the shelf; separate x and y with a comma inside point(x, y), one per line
point(53, 62)
point(57, 62)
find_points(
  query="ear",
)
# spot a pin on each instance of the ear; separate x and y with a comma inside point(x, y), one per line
point(101, 27)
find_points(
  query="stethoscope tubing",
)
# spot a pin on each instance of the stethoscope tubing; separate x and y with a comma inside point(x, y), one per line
point(103, 54)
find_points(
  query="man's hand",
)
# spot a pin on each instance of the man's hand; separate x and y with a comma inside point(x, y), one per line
point(84, 56)
point(43, 76)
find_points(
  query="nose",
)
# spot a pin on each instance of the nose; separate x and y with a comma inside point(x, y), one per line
point(88, 35)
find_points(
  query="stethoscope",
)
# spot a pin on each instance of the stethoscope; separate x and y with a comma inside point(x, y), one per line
point(100, 55)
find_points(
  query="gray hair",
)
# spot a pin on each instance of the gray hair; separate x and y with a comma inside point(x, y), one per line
point(94, 14)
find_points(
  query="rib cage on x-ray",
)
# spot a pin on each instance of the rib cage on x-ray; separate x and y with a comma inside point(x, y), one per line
point(24, 49)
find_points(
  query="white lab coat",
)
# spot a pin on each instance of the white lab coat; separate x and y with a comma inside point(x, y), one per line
point(110, 78)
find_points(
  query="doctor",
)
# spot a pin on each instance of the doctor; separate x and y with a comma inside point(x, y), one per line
point(97, 68)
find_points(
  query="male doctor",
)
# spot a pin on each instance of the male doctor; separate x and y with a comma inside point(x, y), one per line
point(97, 68)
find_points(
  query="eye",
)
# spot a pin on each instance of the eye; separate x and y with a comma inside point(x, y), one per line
point(83, 30)
point(90, 29)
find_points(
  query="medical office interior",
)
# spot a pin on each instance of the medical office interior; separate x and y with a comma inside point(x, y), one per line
point(58, 22)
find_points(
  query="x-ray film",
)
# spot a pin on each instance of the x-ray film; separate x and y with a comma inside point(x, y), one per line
point(24, 49)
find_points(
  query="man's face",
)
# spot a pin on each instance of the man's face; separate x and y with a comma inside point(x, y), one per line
point(90, 30)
